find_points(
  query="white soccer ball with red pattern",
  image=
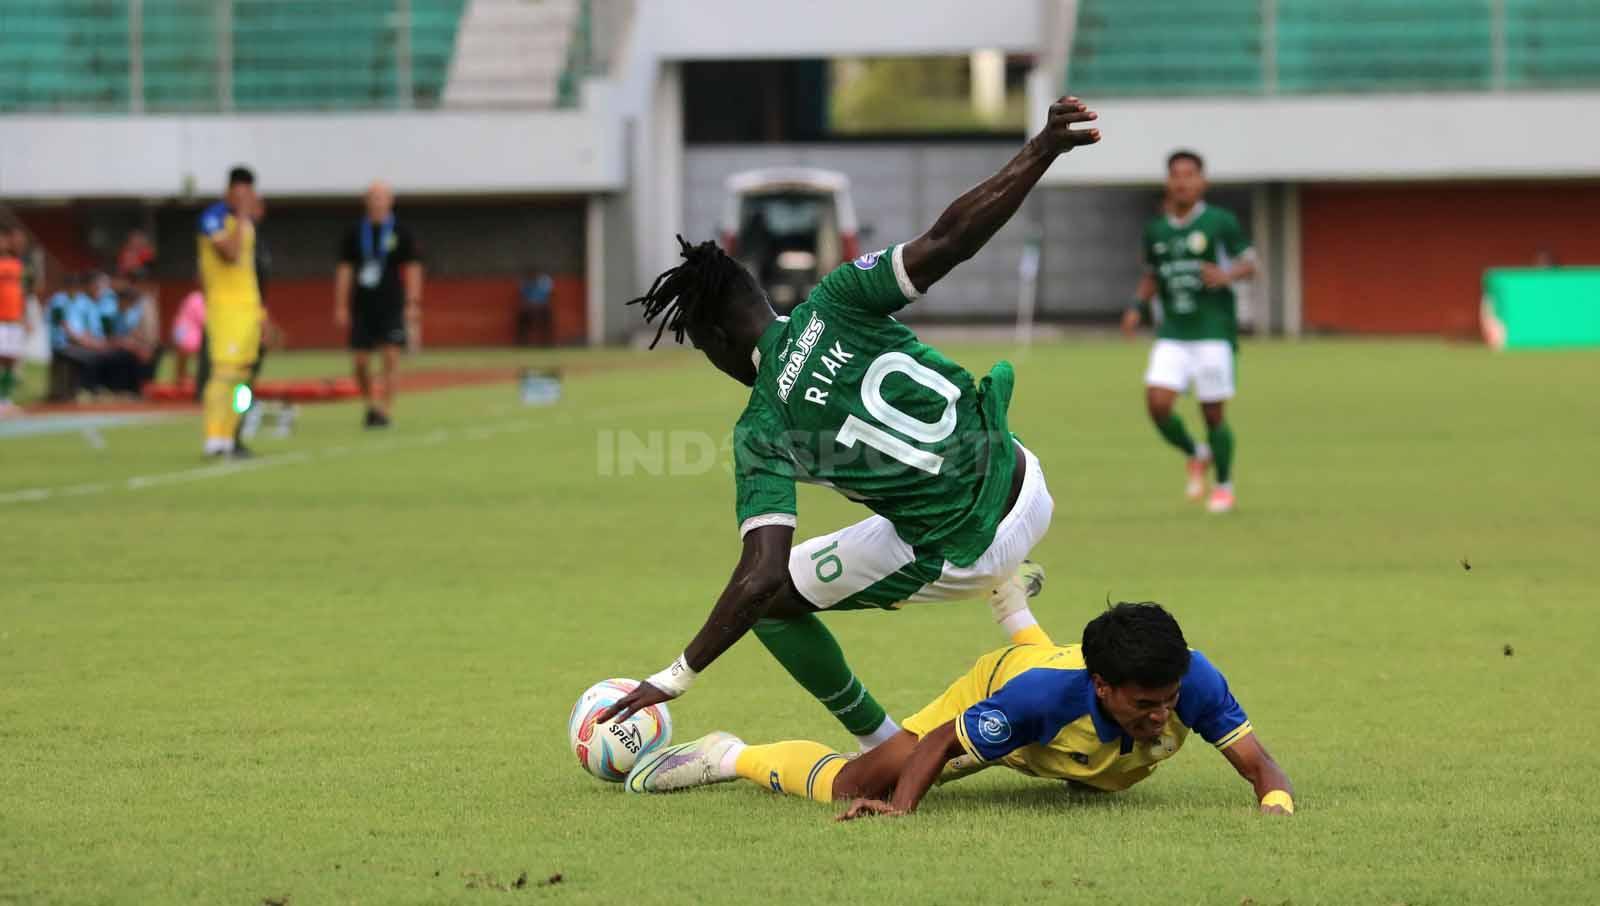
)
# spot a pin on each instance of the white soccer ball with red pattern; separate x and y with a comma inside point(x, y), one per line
point(609, 750)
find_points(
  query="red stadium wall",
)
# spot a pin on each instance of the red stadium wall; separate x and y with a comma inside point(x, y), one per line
point(456, 311)
point(1410, 259)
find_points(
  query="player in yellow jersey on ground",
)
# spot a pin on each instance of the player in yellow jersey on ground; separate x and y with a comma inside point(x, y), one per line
point(1103, 714)
point(234, 315)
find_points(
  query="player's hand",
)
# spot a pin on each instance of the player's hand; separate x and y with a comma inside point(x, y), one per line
point(1214, 276)
point(341, 316)
point(643, 696)
point(1130, 322)
point(870, 808)
point(1064, 114)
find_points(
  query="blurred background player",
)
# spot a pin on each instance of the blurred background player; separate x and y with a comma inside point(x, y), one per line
point(1193, 253)
point(1102, 714)
point(13, 337)
point(233, 307)
point(380, 258)
point(533, 307)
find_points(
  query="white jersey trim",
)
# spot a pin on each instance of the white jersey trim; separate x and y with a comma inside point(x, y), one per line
point(907, 288)
point(755, 522)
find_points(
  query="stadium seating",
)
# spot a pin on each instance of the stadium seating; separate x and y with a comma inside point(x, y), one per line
point(513, 53)
point(1170, 47)
point(75, 55)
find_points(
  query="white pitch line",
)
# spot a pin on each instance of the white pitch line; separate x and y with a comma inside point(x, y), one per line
point(222, 470)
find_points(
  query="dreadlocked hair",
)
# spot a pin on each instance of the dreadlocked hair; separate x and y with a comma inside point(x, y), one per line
point(693, 292)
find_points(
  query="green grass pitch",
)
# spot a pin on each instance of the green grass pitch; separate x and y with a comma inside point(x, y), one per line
point(341, 675)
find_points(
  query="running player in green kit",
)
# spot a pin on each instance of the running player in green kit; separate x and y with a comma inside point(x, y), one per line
point(845, 396)
point(1193, 254)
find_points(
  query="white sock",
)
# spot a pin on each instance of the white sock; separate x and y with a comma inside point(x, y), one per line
point(1018, 621)
point(878, 737)
point(1226, 486)
point(728, 767)
point(1202, 450)
point(219, 445)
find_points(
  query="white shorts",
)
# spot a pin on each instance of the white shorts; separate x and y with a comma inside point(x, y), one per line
point(1207, 364)
point(867, 565)
point(13, 339)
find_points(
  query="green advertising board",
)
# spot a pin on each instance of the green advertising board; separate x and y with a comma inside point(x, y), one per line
point(1541, 308)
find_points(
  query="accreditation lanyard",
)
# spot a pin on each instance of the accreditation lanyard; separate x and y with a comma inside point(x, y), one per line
point(373, 260)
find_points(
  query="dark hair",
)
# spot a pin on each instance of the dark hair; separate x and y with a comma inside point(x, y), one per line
point(241, 175)
point(695, 292)
point(1136, 643)
point(1185, 154)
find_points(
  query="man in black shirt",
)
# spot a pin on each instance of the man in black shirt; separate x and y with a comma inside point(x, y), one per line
point(380, 270)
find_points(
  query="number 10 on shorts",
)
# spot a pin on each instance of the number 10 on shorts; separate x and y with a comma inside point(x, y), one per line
point(829, 567)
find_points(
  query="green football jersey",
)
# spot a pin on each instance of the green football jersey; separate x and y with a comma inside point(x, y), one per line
point(847, 397)
point(1175, 251)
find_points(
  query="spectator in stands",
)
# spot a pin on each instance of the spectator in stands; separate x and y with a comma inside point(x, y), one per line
point(533, 312)
point(137, 255)
point(12, 313)
point(377, 294)
point(105, 302)
point(188, 329)
point(81, 338)
point(138, 332)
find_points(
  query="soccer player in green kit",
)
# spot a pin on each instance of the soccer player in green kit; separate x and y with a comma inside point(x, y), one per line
point(845, 396)
point(1193, 254)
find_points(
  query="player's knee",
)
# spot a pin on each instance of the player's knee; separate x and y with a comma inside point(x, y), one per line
point(1158, 405)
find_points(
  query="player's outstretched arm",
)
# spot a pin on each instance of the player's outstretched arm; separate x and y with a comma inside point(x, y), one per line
point(973, 218)
point(761, 578)
point(921, 769)
point(1251, 759)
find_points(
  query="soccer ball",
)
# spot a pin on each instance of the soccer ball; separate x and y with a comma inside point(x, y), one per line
point(609, 750)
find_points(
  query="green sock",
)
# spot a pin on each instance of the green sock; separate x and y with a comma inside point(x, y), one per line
point(7, 381)
point(1176, 434)
point(812, 656)
point(1221, 440)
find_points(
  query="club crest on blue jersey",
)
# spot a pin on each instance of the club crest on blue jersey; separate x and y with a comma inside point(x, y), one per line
point(867, 261)
point(993, 726)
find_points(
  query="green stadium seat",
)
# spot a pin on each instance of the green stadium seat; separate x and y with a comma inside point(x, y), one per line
point(1167, 47)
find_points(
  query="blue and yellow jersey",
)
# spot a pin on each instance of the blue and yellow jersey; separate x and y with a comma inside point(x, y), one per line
point(233, 296)
point(1032, 708)
point(227, 284)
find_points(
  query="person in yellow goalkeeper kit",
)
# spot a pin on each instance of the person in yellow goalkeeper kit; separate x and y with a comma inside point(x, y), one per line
point(234, 316)
point(1102, 715)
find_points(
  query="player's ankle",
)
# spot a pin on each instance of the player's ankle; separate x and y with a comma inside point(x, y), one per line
point(878, 737)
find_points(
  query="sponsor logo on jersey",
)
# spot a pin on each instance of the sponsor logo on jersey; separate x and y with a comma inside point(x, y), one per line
point(868, 261)
point(993, 726)
point(797, 359)
point(1196, 242)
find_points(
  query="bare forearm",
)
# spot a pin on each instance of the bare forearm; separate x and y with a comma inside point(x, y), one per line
point(1270, 777)
point(734, 614)
point(1147, 289)
point(229, 244)
point(341, 288)
point(922, 768)
point(413, 279)
point(972, 220)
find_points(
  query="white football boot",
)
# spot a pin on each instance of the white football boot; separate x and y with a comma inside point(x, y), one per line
point(685, 765)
